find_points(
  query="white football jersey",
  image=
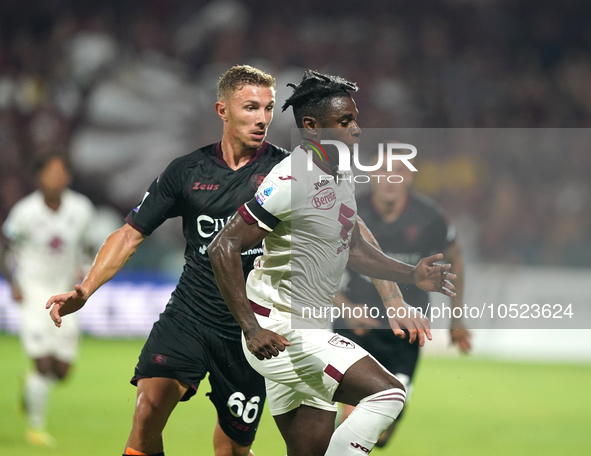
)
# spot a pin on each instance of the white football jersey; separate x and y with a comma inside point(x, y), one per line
point(49, 244)
point(310, 216)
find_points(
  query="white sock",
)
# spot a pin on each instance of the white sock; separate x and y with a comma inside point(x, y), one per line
point(361, 430)
point(37, 390)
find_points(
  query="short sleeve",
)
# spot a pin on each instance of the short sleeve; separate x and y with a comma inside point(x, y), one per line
point(277, 198)
point(161, 200)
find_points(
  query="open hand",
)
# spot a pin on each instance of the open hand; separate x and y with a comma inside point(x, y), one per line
point(429, 276)
point(460, 336)
point(414, 321)
point(66, 303)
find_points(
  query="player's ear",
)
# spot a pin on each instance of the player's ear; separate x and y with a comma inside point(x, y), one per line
point(221, 109)
point(310, 125)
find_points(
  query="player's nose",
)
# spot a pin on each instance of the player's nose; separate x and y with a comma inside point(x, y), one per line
point(261, 118)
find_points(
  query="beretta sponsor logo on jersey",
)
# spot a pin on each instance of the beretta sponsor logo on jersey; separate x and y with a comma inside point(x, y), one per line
point(324, 199)
point(202, 186)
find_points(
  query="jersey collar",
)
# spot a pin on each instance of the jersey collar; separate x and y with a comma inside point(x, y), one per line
point(220, 156)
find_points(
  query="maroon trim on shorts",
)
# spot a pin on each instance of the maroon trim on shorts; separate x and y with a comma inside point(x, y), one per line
point(134, 225)
point(333, 372)
point(260, 310)
point(247, 216)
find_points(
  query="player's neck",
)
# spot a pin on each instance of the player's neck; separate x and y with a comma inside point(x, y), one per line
point(52, 203)
point(235, 155)
point(389, 211)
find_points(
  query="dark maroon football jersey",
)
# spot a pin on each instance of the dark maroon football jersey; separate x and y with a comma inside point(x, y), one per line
point(202, 189)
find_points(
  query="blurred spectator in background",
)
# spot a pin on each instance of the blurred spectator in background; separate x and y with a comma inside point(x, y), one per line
point(48, 232)
point(117, 81)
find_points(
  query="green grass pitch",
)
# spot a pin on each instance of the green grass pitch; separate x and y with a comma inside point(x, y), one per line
point(460, 406)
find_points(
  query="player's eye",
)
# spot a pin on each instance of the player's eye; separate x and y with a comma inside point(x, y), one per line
point(269, 108)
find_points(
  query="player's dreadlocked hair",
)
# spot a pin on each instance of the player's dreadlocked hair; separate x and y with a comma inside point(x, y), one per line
point(311, 97)
point(240, 75)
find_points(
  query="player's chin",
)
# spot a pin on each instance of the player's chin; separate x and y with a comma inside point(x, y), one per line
point(256, 143)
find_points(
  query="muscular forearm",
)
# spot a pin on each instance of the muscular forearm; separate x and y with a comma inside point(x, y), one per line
point(224, 255)
point(367, 260)
point(389, 291)
point(114, 253)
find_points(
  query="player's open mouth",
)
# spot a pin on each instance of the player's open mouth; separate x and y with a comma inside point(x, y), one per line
point(258, 135)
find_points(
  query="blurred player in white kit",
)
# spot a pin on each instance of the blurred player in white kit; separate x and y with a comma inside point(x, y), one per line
point(48, 235)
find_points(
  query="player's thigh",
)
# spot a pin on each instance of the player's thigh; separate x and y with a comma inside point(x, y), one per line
point(158, 396)
point(312, 366)
point(364, 378)
point(174, 350)
point(237, 390)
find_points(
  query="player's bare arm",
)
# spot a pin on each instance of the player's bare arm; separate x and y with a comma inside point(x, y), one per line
point(460, 335)
point(367, 260)
point(114, 253)
point(224, 254)
point(417, 325)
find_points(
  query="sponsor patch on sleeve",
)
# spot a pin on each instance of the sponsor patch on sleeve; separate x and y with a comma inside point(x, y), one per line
point(263, 194)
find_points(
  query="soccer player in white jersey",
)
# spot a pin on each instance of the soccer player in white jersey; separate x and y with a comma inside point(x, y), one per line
point(308, 223)
point(48, 233)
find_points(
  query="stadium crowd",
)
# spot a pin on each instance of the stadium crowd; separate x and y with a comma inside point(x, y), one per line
point(125, 86)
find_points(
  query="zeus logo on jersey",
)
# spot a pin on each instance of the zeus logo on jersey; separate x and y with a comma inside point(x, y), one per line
point(202, 186)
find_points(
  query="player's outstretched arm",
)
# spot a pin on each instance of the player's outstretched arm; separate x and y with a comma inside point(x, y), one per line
point(367, 260)
point(224, 254)
point(402, 315)
point(114, 253)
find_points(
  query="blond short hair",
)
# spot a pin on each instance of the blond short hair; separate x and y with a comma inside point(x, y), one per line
point(240, 75)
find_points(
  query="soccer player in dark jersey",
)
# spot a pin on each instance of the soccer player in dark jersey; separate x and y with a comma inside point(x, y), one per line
point(407, 226)
point(196, 333)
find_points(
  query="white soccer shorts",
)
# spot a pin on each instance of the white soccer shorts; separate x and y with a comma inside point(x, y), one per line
point(309, 371)
point(39, 335)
